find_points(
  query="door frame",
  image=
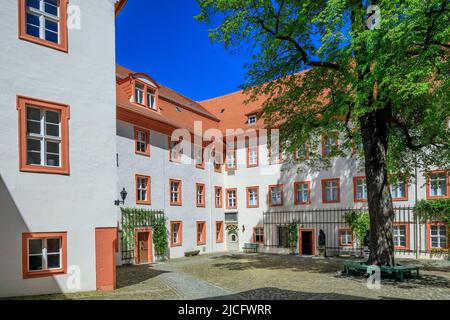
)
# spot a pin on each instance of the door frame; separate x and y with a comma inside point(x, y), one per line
point(228, 243)
point(313, 240)
point(138, 231)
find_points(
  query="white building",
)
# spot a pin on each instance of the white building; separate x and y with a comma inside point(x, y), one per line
point(57, 165)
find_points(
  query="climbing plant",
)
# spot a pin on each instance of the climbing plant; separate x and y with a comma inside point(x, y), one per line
point(436, 209)
point(133, 218)
point(293, 236)
point(359, 222)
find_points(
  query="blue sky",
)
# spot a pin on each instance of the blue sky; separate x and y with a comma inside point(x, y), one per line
point(161, 38)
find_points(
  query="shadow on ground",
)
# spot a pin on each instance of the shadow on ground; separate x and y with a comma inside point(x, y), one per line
point(128, 276)
point(280, 294)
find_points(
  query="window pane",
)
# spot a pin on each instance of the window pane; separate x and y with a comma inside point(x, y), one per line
point(51, 6)
point(53, 148)
point(35, 246)
point(51, 36)
point(54, 261)
point(33, 127)
point(35, 263)
point(53, 245)
point(33, 4)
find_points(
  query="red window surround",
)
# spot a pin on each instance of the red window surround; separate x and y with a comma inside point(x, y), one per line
point(355, 189)
point(429, 196)
point(341, 233)
point(45, 273)
point(198, 187)
point(179, 202)
point(146, 87)
point(138, 130)
point(228, 191)
point(63, 44)
point(297, 186)
point(148, 186)
point(219, 203)
point(201, 233)
point(219, 231)
point(248, 196)
point(338, 182)
point(406, 197)
point(280, 186)
point(64, 111)
point(406, 225)
point(179, 226)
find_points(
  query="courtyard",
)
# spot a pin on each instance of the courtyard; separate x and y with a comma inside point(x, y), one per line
point(258, 276)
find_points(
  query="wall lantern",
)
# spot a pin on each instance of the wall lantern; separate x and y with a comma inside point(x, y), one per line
point(123, 195)
point(243, 228)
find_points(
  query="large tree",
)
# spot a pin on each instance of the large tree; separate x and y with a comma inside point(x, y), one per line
point(377, 72)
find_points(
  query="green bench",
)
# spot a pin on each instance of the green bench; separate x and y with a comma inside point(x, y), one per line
point(251, 247)
point(397, 271)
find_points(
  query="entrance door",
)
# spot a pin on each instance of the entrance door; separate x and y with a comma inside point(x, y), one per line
point(143, 246)
point(105, 258)
point(307, 242)
point(232, 241)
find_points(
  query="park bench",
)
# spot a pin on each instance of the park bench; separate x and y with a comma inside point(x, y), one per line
point(251, 247)
point(398, 271)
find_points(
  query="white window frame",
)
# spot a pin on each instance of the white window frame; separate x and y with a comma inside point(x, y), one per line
point(142, 188)
point(231, 198)
point(231, 159)
point(361, 189)
point(43, 16)
point(141, 141)
point(276, 195)
point(139, 91)
point(438, 185)
point(43, 138)
point(151, 98)
point(346, 237)
point(303, 193)
point(252, 120)
point(331, 189)
point(175, 192)
point(44, 254)
point(175, 232)
point(253, 197)
point(253, 156)
point(218, 197)
point(200, 194)
point(398, 189)
point(398, 236)
point(259, 232)
point(438, 236)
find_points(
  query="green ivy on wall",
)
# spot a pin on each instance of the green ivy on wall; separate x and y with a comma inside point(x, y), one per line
point(436, 209)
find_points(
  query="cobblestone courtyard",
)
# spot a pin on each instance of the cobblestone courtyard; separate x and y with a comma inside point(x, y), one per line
point(255, 276)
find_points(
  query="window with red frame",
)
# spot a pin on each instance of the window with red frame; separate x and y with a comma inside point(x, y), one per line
point(331, 191)
point(399, 189)
point(276, 196)
point(330, 144)
point(200, 194)
point(253, 197)
point(218, 197)
point(201, 233)
point(437, 185)
point(219, 231)
point(44, 254)
point(258, 235)
point(44, 22)
point(176, 229)
point(360, 189)
point(175, 192)
point(345, 237)
point(231, 199)
point(142, 141)
point(302, 192)
point(143, 190)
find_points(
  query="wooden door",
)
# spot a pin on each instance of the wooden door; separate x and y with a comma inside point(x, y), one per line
point(143, 247)
point(105, 251)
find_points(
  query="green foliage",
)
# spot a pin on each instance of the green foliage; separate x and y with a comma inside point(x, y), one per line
point(403, 66)
point(359, 222)
point(293, 236)
point(160, 236)
point(133, 218)
point(436, 209)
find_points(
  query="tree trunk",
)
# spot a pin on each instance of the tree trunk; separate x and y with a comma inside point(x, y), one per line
point(375, 135)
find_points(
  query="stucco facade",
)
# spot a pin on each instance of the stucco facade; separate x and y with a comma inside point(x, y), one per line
point(78, 202)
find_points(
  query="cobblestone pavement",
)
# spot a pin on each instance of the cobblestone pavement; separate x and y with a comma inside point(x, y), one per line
point(257, 276)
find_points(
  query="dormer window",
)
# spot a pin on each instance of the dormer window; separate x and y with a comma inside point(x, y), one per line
point(139, 93)
point(151, 98)
point(252, 119)
point(145, 95)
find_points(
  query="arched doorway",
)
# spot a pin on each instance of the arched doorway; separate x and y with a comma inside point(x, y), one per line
point(232, 241)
